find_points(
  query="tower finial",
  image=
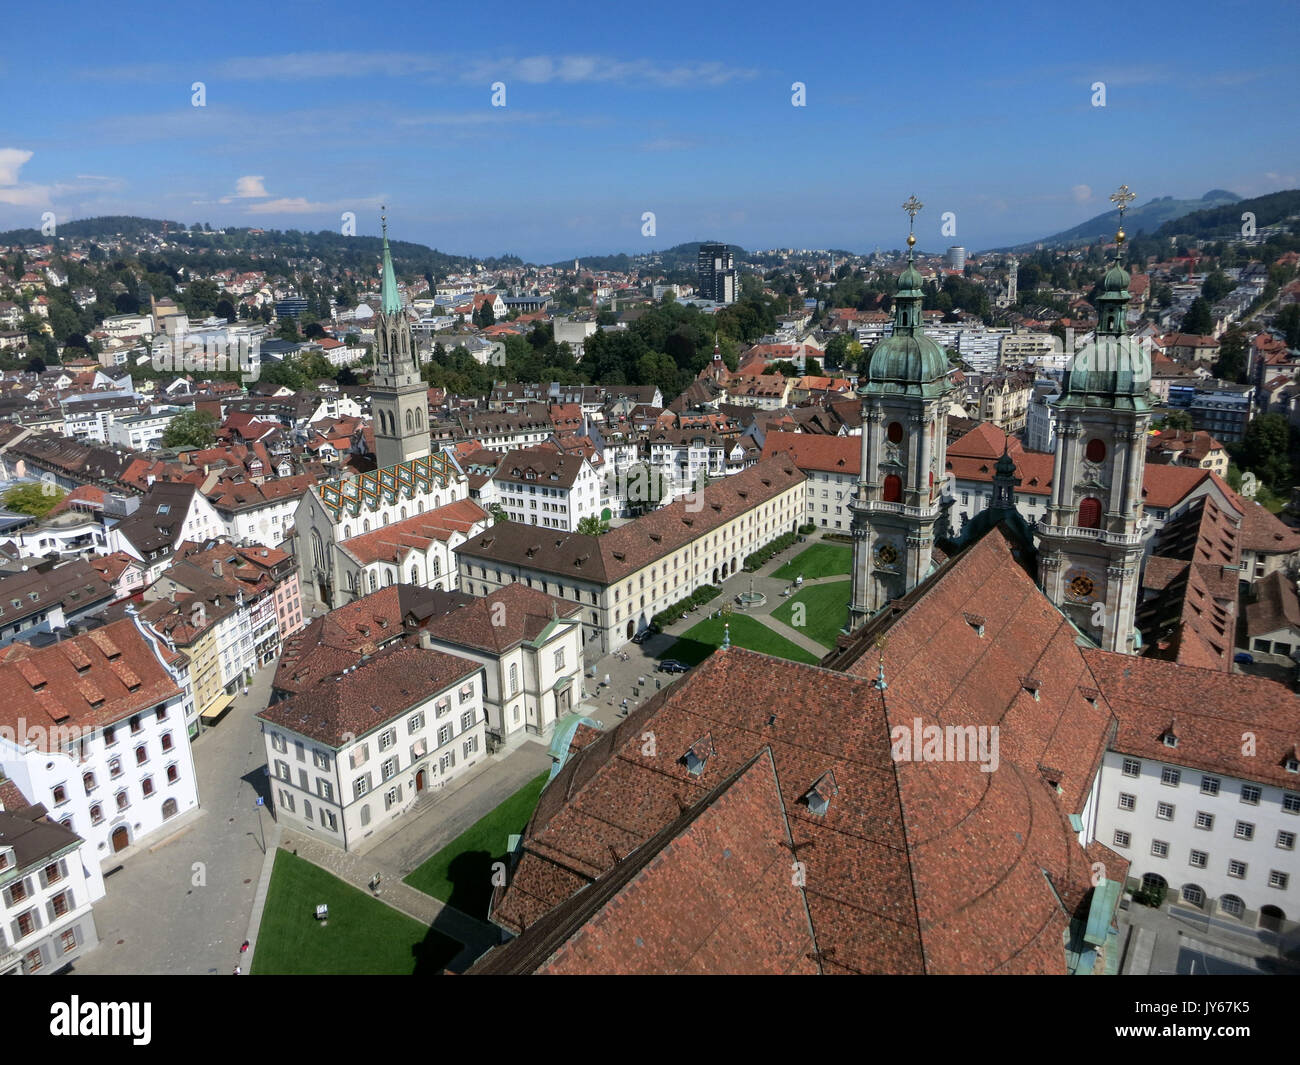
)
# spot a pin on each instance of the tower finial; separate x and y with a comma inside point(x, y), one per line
point(1121, 198)
point(880, 684)
point(911, 207)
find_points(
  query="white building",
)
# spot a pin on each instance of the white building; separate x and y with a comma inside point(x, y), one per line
point(355, 752)
point(141, 432)
point(109, 756)
point(47, 886)
point(539, 486)
point(532, 659)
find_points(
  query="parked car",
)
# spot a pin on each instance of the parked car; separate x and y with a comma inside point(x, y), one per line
point(1244, 658)
point(642, 636)
point(671, 665)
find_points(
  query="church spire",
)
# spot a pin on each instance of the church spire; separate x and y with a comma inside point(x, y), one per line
point(391, 301)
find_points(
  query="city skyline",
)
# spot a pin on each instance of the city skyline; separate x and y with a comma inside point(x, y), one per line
point(720, 127)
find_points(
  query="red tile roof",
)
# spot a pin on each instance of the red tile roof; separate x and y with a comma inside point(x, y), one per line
point(392, 543)
point(85, 682)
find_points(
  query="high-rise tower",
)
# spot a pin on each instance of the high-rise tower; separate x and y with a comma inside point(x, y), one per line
point(1091, 538)
point(399, 399)
point(904, 441)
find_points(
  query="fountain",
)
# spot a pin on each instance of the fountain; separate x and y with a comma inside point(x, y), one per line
point(750, 598)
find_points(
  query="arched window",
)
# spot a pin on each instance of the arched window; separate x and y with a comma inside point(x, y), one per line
point(403, 513)
point(388, 578)
point(1193, 894)
point(410, 421)
point(365, 525)
point(893, 489)
point(1090, 513)
point(1095, 451)
point(318, 549)
point(419, 506)
point(374, 582)
point(1232, 906)
point(437, 566)
point(352, 582)
point(415, 574)
point(419, 418)
point(895, 432)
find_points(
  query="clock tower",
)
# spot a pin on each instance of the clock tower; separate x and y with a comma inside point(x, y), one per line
point(897, 501)
point(399, 398)
point(1090, 547)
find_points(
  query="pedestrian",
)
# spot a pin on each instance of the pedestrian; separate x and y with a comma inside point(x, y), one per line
point(244, 948)
point(237, 972)
point(606, 680)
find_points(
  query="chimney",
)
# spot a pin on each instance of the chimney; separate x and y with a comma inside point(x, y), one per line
point(216, 568)
point(426, 641)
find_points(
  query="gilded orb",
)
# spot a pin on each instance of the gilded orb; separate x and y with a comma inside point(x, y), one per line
point(911, 239)
point(1119, 237)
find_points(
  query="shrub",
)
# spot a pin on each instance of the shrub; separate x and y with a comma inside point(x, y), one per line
point(763, 554)
point(700, 596)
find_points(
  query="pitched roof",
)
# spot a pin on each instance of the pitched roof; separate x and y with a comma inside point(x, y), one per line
point(502, 620)
point(84, 682)
point(392, 543)
point(815, 451)
point(376, 691)
point(915, 865)
point(630, 547)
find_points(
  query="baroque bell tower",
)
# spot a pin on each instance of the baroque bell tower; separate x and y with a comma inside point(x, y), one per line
point(399, 399)
point(897, 500)
point(1091, 538)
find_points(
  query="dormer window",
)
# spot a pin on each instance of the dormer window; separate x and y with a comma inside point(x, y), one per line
point(1169, 739)
point(697, 757)
point(818, 797)
point(1031, 686)
point(1292, 765)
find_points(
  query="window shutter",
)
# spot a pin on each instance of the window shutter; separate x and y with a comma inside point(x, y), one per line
point(49, 911)
point(63, 866)
point(399, 792)
point(15, 932)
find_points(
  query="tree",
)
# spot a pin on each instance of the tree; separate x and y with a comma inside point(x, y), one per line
point(193, 429)
point(1198, 321)
point(1288, 321)
point(287, 330)
point(226, 309)
point(1176, 419)
point(1231, 363)
point(1264, 450)
point(34, 499)
point(592, 526)
point(498, 515)
point(36, 365)
point(812, 368)
point(1216, 286)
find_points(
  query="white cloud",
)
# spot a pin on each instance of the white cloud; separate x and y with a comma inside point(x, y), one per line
point(11, 161)
point(1081, 193)
point(533, 70)
point(251, 187)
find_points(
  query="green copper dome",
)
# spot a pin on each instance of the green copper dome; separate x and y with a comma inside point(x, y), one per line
point(1116, 281)
point(909, 362)
point(909, 281)
point(908, 359)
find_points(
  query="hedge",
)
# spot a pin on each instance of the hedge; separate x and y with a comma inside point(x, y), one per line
point(699, 597)
point(763, 554)
point(805, 530)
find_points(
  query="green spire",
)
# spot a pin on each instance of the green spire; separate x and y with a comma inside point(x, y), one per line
point(392, 302)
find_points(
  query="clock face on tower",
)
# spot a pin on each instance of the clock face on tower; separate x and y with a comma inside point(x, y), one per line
point(1080, 585)
point(886, 555)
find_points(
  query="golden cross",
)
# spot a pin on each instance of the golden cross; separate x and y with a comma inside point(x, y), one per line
point(911, 207)
point(1121, 198)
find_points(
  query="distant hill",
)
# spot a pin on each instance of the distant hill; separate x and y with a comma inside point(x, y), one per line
point(328, 245)
point(1148, 218)
point(1219, 222)
point(678, 257)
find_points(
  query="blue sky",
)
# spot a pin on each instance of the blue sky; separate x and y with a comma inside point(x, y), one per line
point(683, 110)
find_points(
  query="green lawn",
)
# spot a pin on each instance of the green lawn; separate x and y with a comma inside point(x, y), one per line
point(362, 936)
point(461, 873)
point(820, 560)
point(826, 609)
point(700, 641)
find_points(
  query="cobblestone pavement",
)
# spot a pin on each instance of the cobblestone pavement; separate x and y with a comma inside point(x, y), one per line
point(179, 903)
